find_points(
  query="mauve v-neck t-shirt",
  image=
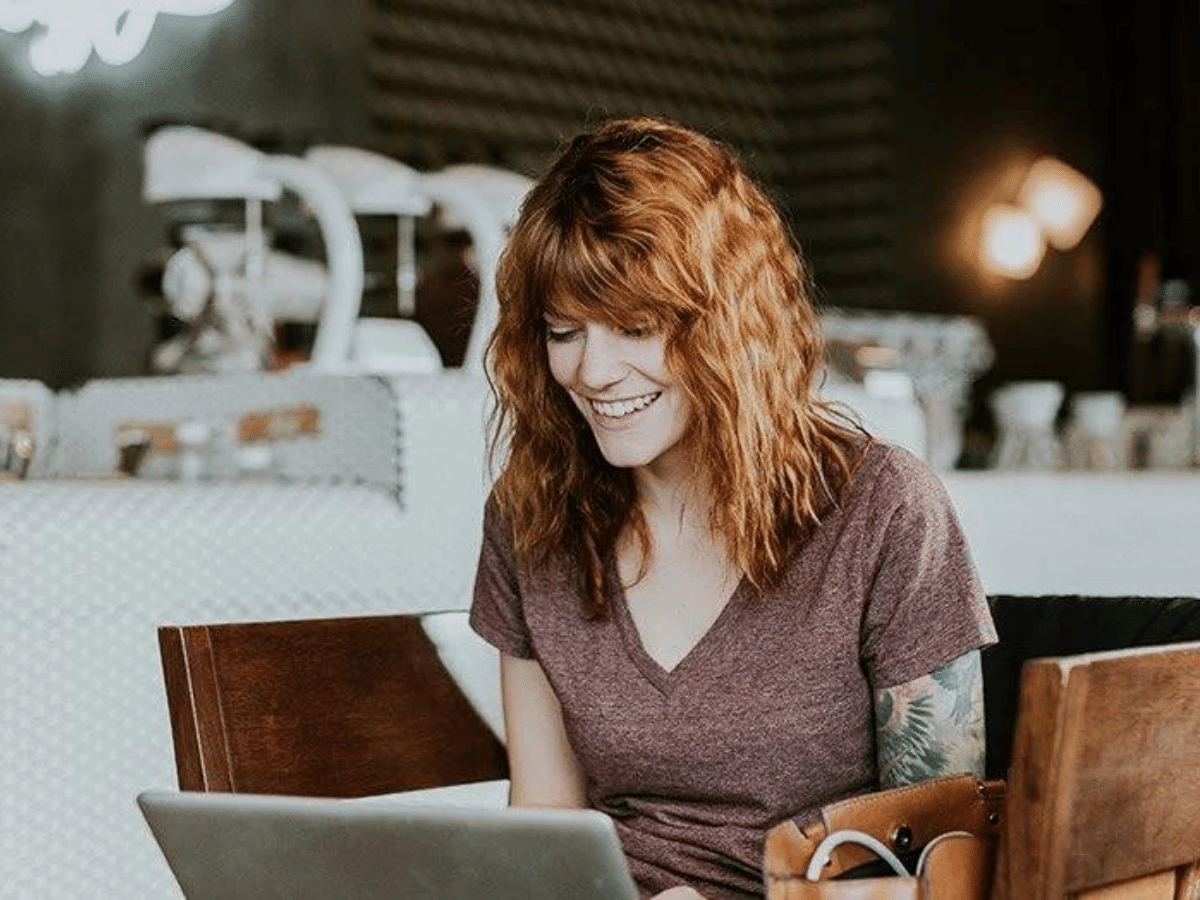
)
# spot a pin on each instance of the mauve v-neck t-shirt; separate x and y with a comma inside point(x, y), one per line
point(769, 716)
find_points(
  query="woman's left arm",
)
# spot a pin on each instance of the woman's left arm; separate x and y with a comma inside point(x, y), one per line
point(932, 725)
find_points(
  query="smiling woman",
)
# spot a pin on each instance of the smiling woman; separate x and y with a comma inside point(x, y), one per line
point(621, 384)
point(720, 603)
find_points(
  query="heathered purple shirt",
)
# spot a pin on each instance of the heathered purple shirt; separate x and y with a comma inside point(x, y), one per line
point(770, 715)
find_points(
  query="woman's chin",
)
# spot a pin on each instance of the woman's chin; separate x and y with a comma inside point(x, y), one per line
point(625, 459)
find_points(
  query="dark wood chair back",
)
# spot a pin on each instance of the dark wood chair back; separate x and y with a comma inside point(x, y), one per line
point(1102, 796)
point(343, 707)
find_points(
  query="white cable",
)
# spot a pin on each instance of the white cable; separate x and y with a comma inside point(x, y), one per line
point(934, 842)
point(820, 857)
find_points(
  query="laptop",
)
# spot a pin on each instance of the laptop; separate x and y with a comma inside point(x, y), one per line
point(229, 846)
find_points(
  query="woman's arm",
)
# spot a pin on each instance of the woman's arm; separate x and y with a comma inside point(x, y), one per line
point(932, 725)
point(542, 766)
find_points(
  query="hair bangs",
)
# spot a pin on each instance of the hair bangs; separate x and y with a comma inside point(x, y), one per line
point(591, 277)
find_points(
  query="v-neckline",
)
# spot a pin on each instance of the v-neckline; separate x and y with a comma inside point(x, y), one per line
point(654, 671)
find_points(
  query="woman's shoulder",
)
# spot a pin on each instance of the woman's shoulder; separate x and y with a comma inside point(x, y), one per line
point(497, 522)
point(889, 471)
point(500, 537)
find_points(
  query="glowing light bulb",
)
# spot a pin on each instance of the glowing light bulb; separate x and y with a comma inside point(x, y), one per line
point(1012, 243)
point(1063, 200)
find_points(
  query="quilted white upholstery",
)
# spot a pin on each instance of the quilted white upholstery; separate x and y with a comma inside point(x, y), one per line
point(472, 662)
point(358, 440)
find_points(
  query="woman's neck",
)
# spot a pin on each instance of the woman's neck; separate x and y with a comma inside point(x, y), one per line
point(666, 500)
point(678, 513)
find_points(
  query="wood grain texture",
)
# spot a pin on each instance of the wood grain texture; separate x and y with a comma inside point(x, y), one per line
point(1150, 887)
point(1105, 757)
point(343, 707)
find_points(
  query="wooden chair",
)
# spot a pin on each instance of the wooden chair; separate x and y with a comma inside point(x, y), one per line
point(343, 707)
point(1104, 785)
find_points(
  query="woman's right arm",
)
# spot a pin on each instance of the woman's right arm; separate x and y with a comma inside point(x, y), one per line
point(542, 765)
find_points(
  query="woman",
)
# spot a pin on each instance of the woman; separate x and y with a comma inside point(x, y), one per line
point(718, 603)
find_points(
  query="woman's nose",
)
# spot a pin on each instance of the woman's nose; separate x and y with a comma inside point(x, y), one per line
point(601, 362)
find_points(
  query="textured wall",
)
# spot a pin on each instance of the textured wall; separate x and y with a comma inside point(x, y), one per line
point(513, 78)
point(838, 177)
point(800, 87)
point(871, 120)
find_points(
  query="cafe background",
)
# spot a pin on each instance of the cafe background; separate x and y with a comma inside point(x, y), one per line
point(884, 128)
point(887, 130)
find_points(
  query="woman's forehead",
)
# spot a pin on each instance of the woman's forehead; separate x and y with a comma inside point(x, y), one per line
point(617, 308)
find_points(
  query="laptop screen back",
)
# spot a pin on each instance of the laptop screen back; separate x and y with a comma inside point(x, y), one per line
point(232, 846)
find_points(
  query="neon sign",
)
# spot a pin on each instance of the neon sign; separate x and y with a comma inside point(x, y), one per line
point(69, 31)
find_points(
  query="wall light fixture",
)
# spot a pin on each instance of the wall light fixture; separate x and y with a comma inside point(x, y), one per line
point(1062, 199)
point(1055, 205)
point(1013, 244)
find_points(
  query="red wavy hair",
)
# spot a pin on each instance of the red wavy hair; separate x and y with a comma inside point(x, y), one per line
point(644, 221)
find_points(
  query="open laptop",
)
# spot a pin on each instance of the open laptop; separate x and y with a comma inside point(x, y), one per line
point(230, 846)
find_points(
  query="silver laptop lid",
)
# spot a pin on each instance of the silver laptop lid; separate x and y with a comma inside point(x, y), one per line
point(232, 846)
point(227, 846)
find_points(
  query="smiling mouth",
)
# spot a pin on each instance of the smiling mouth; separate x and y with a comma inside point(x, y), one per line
point(619, 409)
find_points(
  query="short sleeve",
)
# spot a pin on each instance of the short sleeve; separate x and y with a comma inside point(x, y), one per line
point(497, 614)
point(925, 605)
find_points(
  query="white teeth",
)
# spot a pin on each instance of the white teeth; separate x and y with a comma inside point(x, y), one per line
point(620, 408)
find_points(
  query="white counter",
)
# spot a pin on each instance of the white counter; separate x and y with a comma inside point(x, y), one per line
point(87, 573)
point(1095, 533)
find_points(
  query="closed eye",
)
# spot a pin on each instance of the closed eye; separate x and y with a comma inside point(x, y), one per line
point(561, 334)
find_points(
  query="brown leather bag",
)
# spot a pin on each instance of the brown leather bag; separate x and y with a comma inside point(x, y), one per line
point(950, 825)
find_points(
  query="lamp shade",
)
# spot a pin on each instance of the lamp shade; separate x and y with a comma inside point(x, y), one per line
point(1064, 201)
point(1012, 244)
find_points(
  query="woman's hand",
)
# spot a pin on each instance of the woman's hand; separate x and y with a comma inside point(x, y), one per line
point(679, 892)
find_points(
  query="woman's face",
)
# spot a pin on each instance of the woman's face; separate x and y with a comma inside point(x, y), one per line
point(619, 380)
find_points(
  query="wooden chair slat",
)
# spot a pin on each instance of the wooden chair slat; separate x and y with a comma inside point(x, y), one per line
point(342, 707)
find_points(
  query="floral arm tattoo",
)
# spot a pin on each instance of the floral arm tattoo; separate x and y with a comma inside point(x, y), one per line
point(932, 725)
